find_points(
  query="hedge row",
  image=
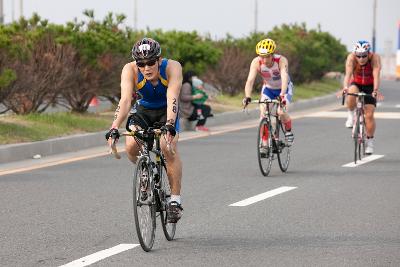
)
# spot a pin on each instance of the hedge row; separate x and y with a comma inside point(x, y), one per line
point(43, 64)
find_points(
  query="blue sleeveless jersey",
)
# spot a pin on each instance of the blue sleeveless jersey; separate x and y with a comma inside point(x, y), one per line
point(153, 97)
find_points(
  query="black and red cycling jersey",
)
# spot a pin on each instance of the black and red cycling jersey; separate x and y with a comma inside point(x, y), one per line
point(362, 74)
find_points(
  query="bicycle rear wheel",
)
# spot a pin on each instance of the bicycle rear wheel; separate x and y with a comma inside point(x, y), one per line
point(144, 208)
point(165, 193)
point(282, 147)
point(264, 147)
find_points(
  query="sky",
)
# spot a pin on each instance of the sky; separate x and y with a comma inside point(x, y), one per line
point(347, 20)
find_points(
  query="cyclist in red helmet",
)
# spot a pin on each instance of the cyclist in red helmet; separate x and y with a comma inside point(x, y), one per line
point(363, 75)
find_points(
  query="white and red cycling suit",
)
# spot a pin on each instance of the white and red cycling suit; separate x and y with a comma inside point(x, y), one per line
point(272, 82)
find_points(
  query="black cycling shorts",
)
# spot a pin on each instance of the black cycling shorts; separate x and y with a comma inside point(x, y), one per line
point(368, 89)
point(145, 117)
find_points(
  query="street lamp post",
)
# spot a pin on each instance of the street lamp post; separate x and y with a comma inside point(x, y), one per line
point(374, 29)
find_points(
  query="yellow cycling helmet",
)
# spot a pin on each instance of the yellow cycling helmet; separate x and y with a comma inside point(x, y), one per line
point(265, 47)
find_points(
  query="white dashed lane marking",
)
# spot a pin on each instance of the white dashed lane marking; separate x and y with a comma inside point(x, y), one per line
point(101, 255)
point(363, 161)
point(254, 199)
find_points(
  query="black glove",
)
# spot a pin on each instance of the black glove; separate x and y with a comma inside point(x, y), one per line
point(113, 133)
point(170, 128)
point(246, 101)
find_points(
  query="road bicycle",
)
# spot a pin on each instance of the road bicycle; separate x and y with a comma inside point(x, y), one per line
point(151, 190)
point(358, 133)
point(271, 138)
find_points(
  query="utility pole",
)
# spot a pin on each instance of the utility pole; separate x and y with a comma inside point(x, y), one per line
point(21, 8)
point(12, 11)
point(135, 15)
point(255, 15)
point(1, 12)
point(374, 28)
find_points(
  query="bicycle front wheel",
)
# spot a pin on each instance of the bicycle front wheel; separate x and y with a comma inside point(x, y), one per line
point(282, 147)
point(264, 147)
point(356, 138)
point(144, 208)
point(165, 193)
point(363, 137)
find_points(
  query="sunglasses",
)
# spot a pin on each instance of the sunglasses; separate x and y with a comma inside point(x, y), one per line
point(150, 63)
point(361, 56)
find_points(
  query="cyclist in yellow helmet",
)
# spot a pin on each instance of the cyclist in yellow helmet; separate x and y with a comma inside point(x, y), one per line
point(273, 69)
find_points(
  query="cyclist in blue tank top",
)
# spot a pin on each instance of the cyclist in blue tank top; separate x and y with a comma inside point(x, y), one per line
point(157, 81)
point(153, 97)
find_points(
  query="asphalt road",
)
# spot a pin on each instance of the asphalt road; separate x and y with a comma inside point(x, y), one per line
point(333, 215)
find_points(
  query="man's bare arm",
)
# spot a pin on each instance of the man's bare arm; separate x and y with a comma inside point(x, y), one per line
point(284, 69)
point(174, 72)
point(251, 77)
point(124, 105)
point(376, 71)
point(349, 70)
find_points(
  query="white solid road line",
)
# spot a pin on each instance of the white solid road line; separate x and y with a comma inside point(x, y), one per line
point(343, 114)
point(363, 161)
point(271, 193)
point(95, 257)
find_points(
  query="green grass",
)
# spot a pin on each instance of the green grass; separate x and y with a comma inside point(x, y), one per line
point(313, 89)
point(36, 127)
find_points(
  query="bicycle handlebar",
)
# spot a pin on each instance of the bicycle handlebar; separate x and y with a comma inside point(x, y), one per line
point(141, 135)
point(266, 101)
point(114, 150)
point(360, 94)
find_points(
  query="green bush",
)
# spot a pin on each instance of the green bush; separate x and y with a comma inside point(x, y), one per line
point(194, 52)
point(43, 63)
point(310, 53)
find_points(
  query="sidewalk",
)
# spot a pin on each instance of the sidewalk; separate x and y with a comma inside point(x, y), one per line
point(24, 151)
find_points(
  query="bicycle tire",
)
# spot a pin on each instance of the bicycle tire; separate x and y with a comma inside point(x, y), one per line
point(363, 138)
point(356, 134)
point(264, 161)
point(283, 147)
point(165, 192)
point(145, 225)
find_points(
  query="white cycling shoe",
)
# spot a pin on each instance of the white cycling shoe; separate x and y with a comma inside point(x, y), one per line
point(350, 120)
point(369, 149)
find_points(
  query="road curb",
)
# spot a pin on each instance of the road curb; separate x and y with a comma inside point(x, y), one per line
point(23, 151)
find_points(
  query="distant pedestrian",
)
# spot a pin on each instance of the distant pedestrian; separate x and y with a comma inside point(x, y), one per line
point(192, 100)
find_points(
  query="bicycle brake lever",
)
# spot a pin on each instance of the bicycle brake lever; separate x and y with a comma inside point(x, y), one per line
point(114, 150)
point(169, 147)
